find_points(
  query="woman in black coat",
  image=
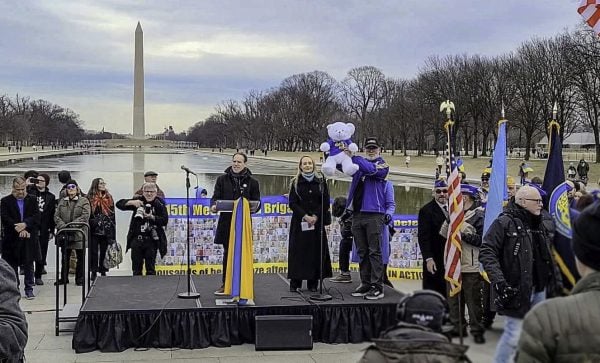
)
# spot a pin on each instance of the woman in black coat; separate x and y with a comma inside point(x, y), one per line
point(309, 201)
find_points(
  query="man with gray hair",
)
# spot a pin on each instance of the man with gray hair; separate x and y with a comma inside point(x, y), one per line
point(517, 258)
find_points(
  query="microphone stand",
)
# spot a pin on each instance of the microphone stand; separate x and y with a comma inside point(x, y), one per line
point(321, 296)
point(188, 294)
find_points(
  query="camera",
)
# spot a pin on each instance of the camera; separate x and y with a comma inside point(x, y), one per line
point(33, 180)
point(148, 209)
point(139, 213)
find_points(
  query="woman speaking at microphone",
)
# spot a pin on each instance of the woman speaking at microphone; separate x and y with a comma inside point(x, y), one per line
point(309, 201)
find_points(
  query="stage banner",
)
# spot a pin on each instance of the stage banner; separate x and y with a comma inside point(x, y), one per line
point(270, 228)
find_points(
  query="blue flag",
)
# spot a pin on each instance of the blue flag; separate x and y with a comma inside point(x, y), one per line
point(498, 192)
point(558, 206)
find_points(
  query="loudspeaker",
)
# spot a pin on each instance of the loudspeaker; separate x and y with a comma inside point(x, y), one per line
point(283, 332)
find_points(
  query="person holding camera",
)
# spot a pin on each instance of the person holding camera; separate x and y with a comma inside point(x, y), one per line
point(72, 208)
point(102, 225)
point(146, 232)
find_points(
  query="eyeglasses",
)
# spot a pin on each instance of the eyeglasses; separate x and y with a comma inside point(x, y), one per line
point(538, 201)
point(484, 180)
point(42, 180)
point(149, 191)
point(71, 186)
point(441, 191)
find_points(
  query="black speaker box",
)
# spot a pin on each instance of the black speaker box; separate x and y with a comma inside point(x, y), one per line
point(283, 332)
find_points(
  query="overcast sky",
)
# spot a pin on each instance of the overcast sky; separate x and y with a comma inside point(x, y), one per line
point(79, 54)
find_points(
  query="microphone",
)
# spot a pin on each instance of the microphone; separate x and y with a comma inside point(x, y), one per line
point(187, 170)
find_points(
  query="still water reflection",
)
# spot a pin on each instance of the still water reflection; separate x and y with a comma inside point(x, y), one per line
point(123, 173)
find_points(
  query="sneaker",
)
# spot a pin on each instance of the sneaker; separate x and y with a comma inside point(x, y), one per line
point(220, 291)
point(478, 339)
point(346, 278)
point(29, 295)
point(39, 281)
point(361, 290)
point(61, 282)
point(374, 294)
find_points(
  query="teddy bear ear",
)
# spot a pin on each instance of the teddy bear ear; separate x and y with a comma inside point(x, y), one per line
point(329, 126)
point(350, 126)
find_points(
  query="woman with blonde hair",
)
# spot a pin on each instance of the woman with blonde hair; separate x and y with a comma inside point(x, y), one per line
point(102, 225)
point(308, 252)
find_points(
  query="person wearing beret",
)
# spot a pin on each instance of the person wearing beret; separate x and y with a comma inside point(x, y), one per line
point(567, 329)
point(150, 177)
point(431, 218)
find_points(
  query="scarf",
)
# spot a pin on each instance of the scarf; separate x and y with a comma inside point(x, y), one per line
point(105, 202)
point(309, 176)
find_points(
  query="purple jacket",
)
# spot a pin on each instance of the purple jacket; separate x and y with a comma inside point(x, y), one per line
point(334, 146)
point(373, 172)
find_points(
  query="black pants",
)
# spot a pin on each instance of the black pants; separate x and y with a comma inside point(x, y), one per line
point(225, 257)
point(345, 249)
point(64, 267)
point(39, 265)
point(27, 268)
point(143, 252)
point(98, 245)
point(470, 295)
point(366, 229)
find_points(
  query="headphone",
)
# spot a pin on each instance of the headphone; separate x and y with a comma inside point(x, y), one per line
point(402, 305)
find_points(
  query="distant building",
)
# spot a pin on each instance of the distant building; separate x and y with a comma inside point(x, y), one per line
point(579, 140)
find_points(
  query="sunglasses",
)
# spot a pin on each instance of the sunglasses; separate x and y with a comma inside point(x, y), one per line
point(71, 186)
point(441, 191)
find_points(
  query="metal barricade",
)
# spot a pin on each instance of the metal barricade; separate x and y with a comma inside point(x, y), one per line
point(69, 313)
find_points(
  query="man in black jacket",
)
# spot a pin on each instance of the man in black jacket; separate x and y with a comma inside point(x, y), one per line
point(431, 217)
point(517, 258)
point(235, 183)
point(47, 205)
point(146, 232)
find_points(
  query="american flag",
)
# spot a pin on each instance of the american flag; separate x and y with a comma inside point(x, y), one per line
point(453, 247)
point(590, 11)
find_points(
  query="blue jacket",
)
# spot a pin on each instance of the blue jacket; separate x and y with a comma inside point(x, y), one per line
point(373, 172)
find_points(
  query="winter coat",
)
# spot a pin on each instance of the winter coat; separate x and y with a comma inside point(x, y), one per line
point(304, 252)
point(230, 187)
point(160, 221)
point(431, 218)
point(95, 218)
point(73, 210)
point(13, 326)
point(373, 174)
point(15, 249)
point(565, 329)
point(411, 343)
point(471, 236)
point(507, 256)
point(47, 205)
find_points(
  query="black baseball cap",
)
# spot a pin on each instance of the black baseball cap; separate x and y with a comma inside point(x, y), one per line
point(150, 173)
point(371, 142)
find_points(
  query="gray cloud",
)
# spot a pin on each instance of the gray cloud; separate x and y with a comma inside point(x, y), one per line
point(80, 54)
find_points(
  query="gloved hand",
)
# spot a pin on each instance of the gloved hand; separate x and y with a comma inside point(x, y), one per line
point(387, 219)
point(347, 214)
point(506, 294)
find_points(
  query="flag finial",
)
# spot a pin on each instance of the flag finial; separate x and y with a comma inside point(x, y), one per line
point(502, 111)
point(554, 111)
point(448, 107)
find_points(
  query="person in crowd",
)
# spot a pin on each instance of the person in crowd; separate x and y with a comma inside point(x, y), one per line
point(388, 230)
point(102, 225)
point(308, 251)
point(13, 325)
point(201, 192)
point(407, 161)
point(63, 177)
point(582, 170)
point(584, 201)
point(146, 234)
point(31, 180)
point(522, 173)
point(470, 294)
point(72, 208)
point(46, 202)
point(439, 162)
point(419, 335)
point(571, 172)
point(235, 183)
point(567, 329)
point(511, 186)
point(345, 221)
point(517, 257)
point(150, 177)
point(367, 203)
point(20, 218)
point(431, 218)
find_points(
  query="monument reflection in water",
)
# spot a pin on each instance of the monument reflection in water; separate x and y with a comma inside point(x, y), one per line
point(123, 173)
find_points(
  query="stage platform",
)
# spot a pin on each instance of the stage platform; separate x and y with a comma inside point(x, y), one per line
point(124, 312)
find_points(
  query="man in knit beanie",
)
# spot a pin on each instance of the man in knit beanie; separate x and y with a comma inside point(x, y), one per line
point(568, 328)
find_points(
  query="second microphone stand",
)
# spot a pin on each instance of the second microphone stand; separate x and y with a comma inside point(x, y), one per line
point(321, 296)
point(189, 294)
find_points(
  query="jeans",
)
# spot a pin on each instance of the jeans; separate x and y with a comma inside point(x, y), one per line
point(28, 279)
point(345, 249)
point(507, 345)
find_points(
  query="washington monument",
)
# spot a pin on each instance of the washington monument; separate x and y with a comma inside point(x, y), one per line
point(138, 85)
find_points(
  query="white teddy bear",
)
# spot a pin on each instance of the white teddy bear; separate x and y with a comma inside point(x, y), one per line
point(339, 140)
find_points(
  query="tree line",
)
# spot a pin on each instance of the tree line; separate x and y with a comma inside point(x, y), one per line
point(404, 113)
point(37, 122)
